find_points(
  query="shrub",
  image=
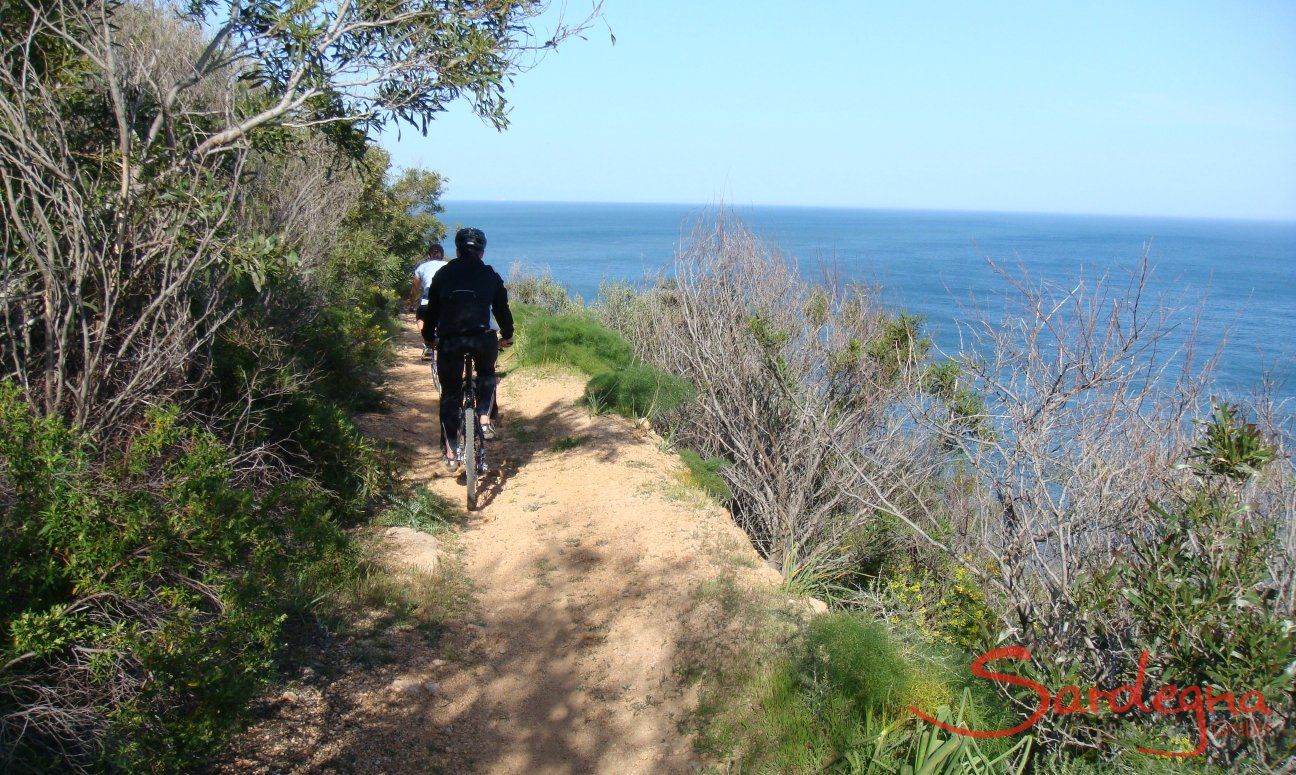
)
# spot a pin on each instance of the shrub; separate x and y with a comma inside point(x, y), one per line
point(139, 583)
point(1231, 448)
point(539, 290)
point(619, 383)
point(899, 344)
point(800, 712)
point(638, 391)
point(421, 509)
point(277, 400)
point(621, 305)
point(572, 339)
point(1200, 591)
point(947, 604)
point(792, 380)
point(836, 702)
point(854, 660)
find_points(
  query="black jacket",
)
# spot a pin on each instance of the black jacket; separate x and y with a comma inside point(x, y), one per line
point(461, 297)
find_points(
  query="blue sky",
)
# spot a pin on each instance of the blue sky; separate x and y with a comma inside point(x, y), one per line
point(1140, 107)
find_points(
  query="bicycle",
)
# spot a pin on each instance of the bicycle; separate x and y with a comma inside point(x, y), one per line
point(472, 445)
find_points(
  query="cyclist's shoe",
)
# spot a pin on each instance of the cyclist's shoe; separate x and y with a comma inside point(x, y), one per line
point(488, 431)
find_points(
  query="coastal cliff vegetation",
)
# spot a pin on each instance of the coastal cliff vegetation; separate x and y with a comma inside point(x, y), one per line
point(1068, 484)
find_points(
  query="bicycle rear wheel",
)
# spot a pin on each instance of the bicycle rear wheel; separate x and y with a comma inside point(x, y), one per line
point(470, 454)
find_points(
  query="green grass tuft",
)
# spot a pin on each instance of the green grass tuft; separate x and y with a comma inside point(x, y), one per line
point(568, 443)
point(856, 661)
point(573, 339)
point(705, 473)
point(619, 383)
point(834, 698)
point(422, 510)
point(638, 391)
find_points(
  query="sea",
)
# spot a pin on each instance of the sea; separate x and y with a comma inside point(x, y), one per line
point(1234, 280)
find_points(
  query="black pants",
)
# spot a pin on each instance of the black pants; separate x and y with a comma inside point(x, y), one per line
point(483, 348)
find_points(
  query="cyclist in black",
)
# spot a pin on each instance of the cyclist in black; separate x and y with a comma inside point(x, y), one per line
point(460, 300)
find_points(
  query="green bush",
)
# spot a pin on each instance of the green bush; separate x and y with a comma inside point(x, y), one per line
point(1231, 448)
point(621, 306)
point(293, 409)
point(802, 713)
point(573, 339)
point(900, 343)
point(619, 383)
point(143, 591)
point(1197, 589)
point(1201, 588)
point(942, 379)
point(945, 603)
point(854, 660)
point(638, 391)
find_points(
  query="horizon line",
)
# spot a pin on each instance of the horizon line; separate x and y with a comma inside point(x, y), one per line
point(871, 208)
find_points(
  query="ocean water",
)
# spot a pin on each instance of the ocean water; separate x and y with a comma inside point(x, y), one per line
point(1239, 275)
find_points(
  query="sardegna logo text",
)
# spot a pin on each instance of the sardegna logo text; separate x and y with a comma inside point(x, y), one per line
point(1168, 700)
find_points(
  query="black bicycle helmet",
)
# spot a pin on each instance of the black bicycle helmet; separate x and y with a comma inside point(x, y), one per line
point(470, 240)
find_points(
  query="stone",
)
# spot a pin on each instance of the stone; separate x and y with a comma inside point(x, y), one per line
point(771, 572)
point(410, 686)
point(418, 551)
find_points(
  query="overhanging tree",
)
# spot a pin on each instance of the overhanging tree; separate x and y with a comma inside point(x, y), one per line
point(123, 134)
point(150, 154)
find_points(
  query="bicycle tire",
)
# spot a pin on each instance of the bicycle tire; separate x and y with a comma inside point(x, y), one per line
point(471, 440)
point(436, 378)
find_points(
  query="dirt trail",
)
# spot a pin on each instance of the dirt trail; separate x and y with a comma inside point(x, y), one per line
point(585, 557)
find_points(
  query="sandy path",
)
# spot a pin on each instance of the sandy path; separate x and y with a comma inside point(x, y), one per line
point(585, 567)
point(584, 561)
